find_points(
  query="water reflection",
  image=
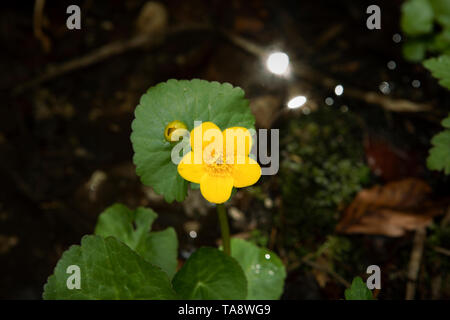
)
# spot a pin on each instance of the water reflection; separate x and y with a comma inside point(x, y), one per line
point(296, 102)
point(193, 234)
point(339, 90)
point(415, 83)
point(278, 63)
point(329, 101)
point(384, 87)
point(391, 65)
point(397, 38)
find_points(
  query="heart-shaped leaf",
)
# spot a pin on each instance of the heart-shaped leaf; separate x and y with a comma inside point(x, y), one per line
point(108, 269)
point(133, 228)
point(210, 274)
point(264, 270)
point(186, 101)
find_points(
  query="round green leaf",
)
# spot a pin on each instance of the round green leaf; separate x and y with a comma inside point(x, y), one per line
point(440, 42)
point(417, 17)
point(209, 274)
point(264, 270)
point(186, 101)
point(108, 270)
point(446, 122)
point(441, 9)
point(133, 228)
point(414, 50)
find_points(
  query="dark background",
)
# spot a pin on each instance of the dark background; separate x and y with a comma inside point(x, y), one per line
point(65, 152)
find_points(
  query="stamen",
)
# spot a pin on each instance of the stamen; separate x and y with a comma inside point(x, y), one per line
point(216, 166)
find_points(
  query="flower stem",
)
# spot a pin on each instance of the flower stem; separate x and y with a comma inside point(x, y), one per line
point(223, 219)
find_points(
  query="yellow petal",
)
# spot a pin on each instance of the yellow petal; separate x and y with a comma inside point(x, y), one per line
point(216, 189)
point(237, 141)
point(190, 171)
point(199, 133)
point(247, 173)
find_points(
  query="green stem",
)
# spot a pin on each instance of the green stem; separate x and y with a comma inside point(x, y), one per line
point(224, 228)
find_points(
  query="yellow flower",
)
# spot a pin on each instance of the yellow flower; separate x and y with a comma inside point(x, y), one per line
point(219, 161)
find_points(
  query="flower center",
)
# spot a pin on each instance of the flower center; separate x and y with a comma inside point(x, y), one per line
point(216, 165)
point(219, 169)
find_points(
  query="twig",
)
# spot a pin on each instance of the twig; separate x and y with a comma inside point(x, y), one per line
point(317, 266)
point(272, 238)
point(328, 35)
point(442, 250)
point(414, 262)
point(38, 18)
point(436, 284)
point(102, 53)
point(307, 73)
point(436, 281)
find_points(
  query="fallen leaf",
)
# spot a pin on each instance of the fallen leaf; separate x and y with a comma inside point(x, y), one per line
point(390, 210)
point(391, 162)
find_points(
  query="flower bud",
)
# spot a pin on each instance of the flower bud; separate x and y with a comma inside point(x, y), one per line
point(174, 130)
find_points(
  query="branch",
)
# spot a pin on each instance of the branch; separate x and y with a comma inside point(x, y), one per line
point(38, 19)
point(335, 275)
point(103, 53)
point(442, 251)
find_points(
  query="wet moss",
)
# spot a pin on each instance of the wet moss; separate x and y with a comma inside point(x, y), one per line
point(321, 169)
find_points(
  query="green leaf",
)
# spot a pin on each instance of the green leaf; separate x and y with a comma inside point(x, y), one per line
point(186, 101)
point(125, 224)
point(417, 17)
point(210, 274)
point(446, 122)
point(358, 291)
point(161, 249)
point(264, 270)
point(108, 270)
point(439, 158)
point(133, 228)
point(414, 50)
point(440, 42)
point(440, 69)
point(441, 9)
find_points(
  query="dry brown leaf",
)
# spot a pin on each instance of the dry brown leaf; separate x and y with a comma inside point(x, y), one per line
point(390, 210)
